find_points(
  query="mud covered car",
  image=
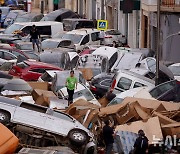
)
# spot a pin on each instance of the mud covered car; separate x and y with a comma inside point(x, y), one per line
point(41, 126)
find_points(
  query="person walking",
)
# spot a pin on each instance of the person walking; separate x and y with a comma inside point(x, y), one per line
point(55, 3)
point(71, 84)
point(108, 135)
point(141, 143)
point(35, 36)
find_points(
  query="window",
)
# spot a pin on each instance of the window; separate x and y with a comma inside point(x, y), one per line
point(158, 91)
point(85, 40)
point(124, 83)
point(8, 56)
point(113, 59)
point(106, 83)
point(151, 65)
point(64, 44)
point(38, 70)
point(33, 107)
point(1, 54)
point(18, 54)
point(137, 84)
point(62, 116)
point(150, 75)
point(95, 36)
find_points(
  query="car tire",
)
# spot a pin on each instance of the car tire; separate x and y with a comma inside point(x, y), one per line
point(4, 117)
point(77, 137)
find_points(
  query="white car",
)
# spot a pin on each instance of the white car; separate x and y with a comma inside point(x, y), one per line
point(83, 38)
point(98, 63)
point(39, 124)
point(112, 54)
point(125, 80)
point(56, 43)
point(82, 92)
point(131, 93)
point(112, 35)
point(175, 69)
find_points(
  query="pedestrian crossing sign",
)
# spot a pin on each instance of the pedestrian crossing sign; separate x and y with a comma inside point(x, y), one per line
point(102, 24)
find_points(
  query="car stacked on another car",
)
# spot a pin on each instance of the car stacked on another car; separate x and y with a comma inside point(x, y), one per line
point(46, 125)
point(31, 70)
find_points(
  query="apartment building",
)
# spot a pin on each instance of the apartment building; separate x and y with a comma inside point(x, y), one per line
point(169, 24)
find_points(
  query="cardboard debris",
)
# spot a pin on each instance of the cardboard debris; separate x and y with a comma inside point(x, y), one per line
point(41, 100)
point(38, 92)
point(87, 73)
point(103, 101)
point(172, 129)
point(163, 119)
point(39, 85)
point(153, 104)
point(151, 127)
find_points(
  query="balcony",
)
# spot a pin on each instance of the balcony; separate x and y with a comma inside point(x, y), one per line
point(170, 5)
point(166, 5)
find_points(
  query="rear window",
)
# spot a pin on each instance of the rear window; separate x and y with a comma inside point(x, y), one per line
point(113, 32)
point(124, 83)
point(23, 65)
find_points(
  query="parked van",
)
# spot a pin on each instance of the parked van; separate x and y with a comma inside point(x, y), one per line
point(44, 27)
point(76, 23)
point(125, 80)
point(83, 37)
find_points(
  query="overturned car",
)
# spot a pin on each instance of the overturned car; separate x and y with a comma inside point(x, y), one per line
point(41, 126)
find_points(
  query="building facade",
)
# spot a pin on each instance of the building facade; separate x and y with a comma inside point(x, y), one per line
point(169, 24)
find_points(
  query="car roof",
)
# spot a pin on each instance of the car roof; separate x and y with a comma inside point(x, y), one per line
point(29, 15)
point(76, 19)
point(101, 51)
point(80, 87)
point(82, 31)
point(130, 92)
point(136, 76)
point(175, 64)
point(40, 23)
point(10, 101)
point(40, 64)
point(57, 40)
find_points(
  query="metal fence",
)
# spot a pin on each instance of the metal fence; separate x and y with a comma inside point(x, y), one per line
point(170, 3)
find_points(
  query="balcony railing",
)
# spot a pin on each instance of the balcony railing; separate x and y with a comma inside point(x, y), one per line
point(170, 3)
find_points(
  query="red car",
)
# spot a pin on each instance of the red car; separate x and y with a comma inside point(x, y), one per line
point(31, 70)
point(86, 51)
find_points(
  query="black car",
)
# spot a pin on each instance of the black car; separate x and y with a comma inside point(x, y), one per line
point(168, 91)
point(59, 15)
point(100, 84)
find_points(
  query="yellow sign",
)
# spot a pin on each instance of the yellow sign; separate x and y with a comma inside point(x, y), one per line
point(102, 24)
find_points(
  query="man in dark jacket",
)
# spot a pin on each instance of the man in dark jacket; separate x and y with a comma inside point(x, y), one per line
point(35, 36)
point(108, 134)
point(141, 143)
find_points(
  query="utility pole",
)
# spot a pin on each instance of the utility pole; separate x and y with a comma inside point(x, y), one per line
point(158, 40)
point(102, 10)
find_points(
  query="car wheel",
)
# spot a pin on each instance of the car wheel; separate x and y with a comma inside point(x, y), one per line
point(77, 137)
point(4, 117)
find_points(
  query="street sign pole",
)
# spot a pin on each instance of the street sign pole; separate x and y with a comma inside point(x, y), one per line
point(158, 41)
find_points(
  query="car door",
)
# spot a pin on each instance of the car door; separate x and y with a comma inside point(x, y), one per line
point(95, 39)
point(34, 74)
point(122, 85)
point(58, 122)
point(85, 41)
point(31, 115)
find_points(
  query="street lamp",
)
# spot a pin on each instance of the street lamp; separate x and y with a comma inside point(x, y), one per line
point(157, 59)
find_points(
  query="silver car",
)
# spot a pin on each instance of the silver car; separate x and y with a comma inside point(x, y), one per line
point(39, 126)
point(112, 35)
